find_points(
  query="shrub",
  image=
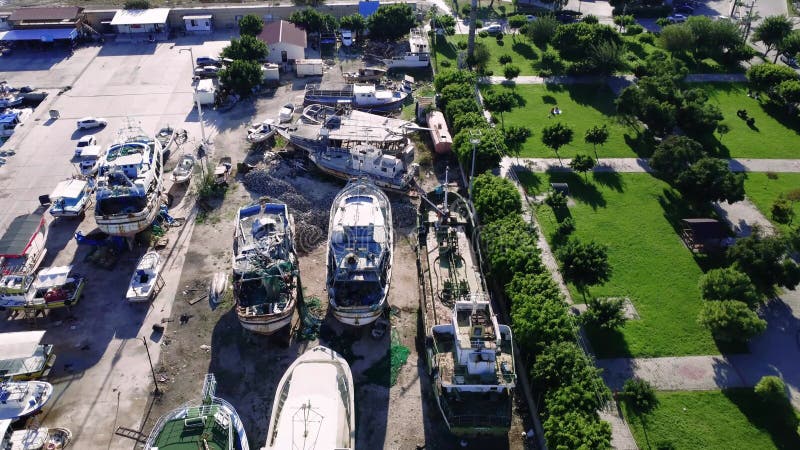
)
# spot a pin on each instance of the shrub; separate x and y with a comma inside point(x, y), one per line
point(731, 321)
point(782, 211)
point(639, 395)
point(495, 197)
point(632, 30)
point(728, 284)
point(510, 248)
point(605, 313)
point(772, 390)
point(461, 45)
point(137, 4)
point(504, 59)
point(573, 430)
point(591, 19)
point(445, 63)
point(647, 38)
point(510, 71)
point(483, 34)
point(556, 200)
point(465, 10)
point(565, 227)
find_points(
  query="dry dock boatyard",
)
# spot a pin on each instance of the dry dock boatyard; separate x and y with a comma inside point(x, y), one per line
point(285, 267)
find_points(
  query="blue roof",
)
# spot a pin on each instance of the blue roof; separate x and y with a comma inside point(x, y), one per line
point(367, 9)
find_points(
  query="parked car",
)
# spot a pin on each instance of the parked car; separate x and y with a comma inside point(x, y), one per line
point(91, 122)
point(684, 9)
point(347, 38)
point(207, 71)
point(568, 16)
point(84, 142)
point(676, 18)
point(530, 17)
point(208, 61)
point(789, 61)
point(493, 29)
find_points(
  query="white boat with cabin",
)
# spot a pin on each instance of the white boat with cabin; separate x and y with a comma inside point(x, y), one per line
point(146, 278)
point(418, 56)
point(33, 437)
point(314, 406)
point(360, 251)
point(22, 398)
point(90, 160)
point(71, 198)
point(260, 132)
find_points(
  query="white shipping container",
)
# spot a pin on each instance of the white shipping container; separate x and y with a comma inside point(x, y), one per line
point(204, 92)
point(308, 67)
point(271, 72)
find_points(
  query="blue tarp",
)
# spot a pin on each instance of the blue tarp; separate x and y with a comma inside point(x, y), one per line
point(44, 35)
point(367, 9)
point(9, 118)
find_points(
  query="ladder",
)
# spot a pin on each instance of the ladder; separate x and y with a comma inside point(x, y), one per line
point(131, 434)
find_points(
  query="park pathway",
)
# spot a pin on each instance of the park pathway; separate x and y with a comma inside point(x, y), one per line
point(594, 79)
point(640, 165)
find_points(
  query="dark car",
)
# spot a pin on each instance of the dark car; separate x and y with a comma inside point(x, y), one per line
point(208, 61)
point(207, 71)
point(685, 9)
point(567, 16)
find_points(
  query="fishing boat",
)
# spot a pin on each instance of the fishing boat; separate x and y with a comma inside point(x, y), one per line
point(33, 437)
point(365, 74)
point(418, 56)
point(286, 112)
point(183, 171)
point(354, 143)
point(469, 354)
point(51, 288)
point(23, 356)
point(23, 245)
point(316, 114)
point(71, 198)
point(266, 277)
point(165, 136)
point(210, 423)
point(314, 406)
point(22, 398)
point(129, 184)
point(260, 132)
point(146, 278)
point(360, 250)
point(364, 97)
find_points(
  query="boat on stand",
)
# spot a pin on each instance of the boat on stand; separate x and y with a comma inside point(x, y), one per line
point(23, 398)
point(266, 275)
point(363, 97)
point(360, 251)
point(348, 144)
point(314, 407)
point(129, 186)
point(33, 437)
point(210, 424)
point(469, 354)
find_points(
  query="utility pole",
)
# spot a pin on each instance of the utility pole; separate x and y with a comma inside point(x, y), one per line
point(475, 141)
point(473, 19)
point(199, 108)
point(157, 392)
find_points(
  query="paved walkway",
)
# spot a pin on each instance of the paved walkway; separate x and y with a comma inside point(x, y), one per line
point(594, 79)
point(640, 165)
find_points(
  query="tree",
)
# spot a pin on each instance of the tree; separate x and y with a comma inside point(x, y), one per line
point(510, 248)
point(765, 261)
point(677, 39)
point(605, 313)
point(730, 321)
point(467, 119)
point(488, 152)
point(241, 76)
point(772, 31)
point(480, 57)
point(790, 45)
point(313, 21)
point(556, 136)
point(766, 77)
point(782, 211)
point(710, 180)
point(541, 30)
point(597, 135)
point(495, 197)
point(250, 25)
point(674, 155)
point(640, 395)
point(623, 21)
point(696, 115)
point(584, 264)
point(533, 284)
point(246, 48)
point(607, 57)
point(459, 107)
point(455, 91)
point(516, 135)
point(728, 284)
point(510, 71)
point(502, 101)
point(575, 41)
point(357, 24)
point(451, 76)
point(539, 322)
point(788, 91)
point(137, 4)
point(391, 21)
point(582, 163)
point(561, 364)
point(771, 390)
point(576, 430)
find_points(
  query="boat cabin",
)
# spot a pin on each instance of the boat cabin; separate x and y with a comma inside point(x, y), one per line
point(24, 357)
point(22, 247)
point(70, 198)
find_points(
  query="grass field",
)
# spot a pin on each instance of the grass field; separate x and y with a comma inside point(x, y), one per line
point(523, 53)
point(775, 135)
point(734, 419)
point(582, 106)
point(632, 214)
point(763, 191)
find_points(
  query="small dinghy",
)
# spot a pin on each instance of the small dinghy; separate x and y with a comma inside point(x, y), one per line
point(58, 438)
point(183, 172)
point(145, 278)
point(217, 288)
point(286, 113)
point(260, 132)
point(165, 136)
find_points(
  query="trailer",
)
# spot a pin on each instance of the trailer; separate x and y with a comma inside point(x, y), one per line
point(308, 67)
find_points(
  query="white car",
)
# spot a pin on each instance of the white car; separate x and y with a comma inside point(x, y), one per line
point(676, 18)
point(493, 29)
point(91, 122)
point(84, 142)
point(347, 38)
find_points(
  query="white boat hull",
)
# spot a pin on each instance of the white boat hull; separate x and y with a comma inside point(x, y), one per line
point(266, 326)
point(129, 225)
point(358, 317)
point(401, 187)
point(40, 393)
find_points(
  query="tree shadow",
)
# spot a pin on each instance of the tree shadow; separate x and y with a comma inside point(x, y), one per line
point(579, 189)
point(642, 143)
point(779, 114)
point(598, 96)
point(531, 181)
point(610, 344)
point(779, 420)
point(525, 50)
point(549, 100)
point(611, 180)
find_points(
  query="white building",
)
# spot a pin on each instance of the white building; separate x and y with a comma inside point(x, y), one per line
point(200, 23)
point(286, 42)
point(144, 24)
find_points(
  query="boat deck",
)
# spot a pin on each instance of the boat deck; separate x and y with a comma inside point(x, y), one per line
point(452, 372)
point(208, 434)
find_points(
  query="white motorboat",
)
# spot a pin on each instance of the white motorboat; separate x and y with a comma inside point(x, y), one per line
point(145, 279)
point(260, 132)
point(91, 159)
point(314, 406)
point(418, 56)
point(285, 114)
point(360, 249)
point(209, 424)
point(52, 287)
point(21, 398)
point(183, 171)
point(70, 198)
point(33, 438)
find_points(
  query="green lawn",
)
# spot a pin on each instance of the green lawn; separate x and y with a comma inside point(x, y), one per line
point(650, 263)
point(523, 53)
point(776, 134)
point(582, 106)
point(725, 420)
point(763, 191)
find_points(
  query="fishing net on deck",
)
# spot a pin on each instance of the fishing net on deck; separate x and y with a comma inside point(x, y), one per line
point(311, 315)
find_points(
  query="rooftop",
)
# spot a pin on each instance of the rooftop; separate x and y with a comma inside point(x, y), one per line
point(285, 32)
point(49, 14)
point(140, 16)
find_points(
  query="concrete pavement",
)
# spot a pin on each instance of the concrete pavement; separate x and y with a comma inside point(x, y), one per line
point(639, 165)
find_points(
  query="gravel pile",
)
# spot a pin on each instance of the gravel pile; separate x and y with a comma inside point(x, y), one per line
point(261, 182)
